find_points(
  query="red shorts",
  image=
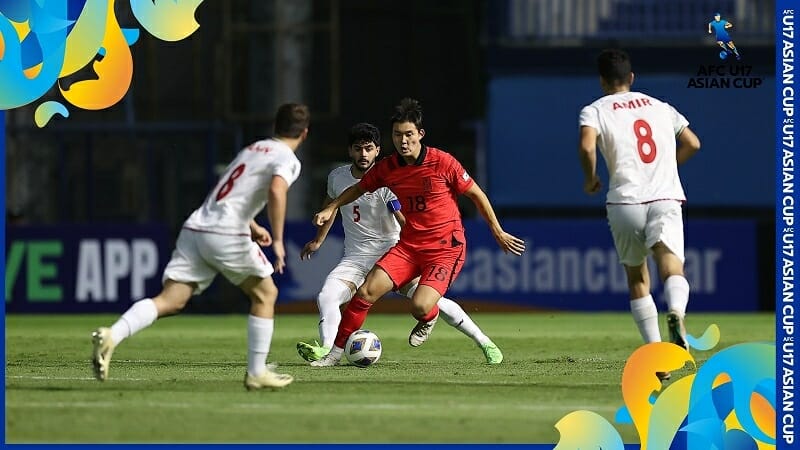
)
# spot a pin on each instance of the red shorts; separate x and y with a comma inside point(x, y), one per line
point(436, 267)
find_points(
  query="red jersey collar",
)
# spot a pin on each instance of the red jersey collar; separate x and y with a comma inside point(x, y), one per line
point(418, 162)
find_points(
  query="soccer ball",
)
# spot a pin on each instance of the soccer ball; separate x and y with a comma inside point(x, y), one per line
point(723, 54)
point(363, 348)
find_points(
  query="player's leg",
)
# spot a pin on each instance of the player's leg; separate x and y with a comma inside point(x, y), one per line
point(172, 299)
point(439, 268)
point(334, 294)
point(733, 48)
point(260, 326)
point(453, 314)
point(627, 223)
point(393, 269)
point(375, 286)
point(456, 317)
point(643, 307)
point(185, 265)
point(243, 263)
point(665, 238)
point(139, 316)
point(338, 288)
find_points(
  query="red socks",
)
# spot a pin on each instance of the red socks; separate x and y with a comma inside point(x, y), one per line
point(353, 317)
point(431, 314)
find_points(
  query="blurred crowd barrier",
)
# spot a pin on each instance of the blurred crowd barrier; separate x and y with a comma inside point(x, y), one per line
point(525, 20)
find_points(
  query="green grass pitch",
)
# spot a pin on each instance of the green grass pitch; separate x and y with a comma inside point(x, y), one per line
point(181, 380)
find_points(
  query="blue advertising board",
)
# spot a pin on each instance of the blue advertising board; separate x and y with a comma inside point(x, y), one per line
point(82, 268)
point(572, 265)
point(568, 265)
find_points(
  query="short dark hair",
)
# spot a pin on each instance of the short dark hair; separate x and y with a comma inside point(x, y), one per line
point(409, 110)
point(614, 66)
point(291, 119)
point(364, 132)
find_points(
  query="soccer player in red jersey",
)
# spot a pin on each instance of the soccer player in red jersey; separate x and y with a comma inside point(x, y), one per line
point(432, 245)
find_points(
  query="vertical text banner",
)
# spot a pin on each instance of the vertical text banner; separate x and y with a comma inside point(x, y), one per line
point(2, 241)
point(784, 221)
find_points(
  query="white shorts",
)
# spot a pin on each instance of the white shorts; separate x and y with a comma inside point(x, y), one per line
point(353, 269)
point(637, 228)
point(198, 258)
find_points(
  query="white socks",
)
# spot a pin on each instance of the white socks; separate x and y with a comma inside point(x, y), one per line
point(456, 317)
point(332, 295)
point(645, 314)
point(259, 339)
point(676, 294)
point(138, 317)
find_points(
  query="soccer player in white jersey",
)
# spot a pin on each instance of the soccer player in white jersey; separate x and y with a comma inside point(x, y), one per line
point(221, 236)
point(636, 135)
point(371, 227)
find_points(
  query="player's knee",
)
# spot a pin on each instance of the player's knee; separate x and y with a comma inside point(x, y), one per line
point(264, 294)
point(670, 266)
point(423, 304)
point(334, 292)
point(368, 293)
point(419, 310)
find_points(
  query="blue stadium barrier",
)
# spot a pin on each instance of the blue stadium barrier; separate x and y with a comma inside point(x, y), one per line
point(568, 265)
point(532, 138)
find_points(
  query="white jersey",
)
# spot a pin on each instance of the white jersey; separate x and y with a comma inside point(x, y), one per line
point(369, 227)
point(241, 192)
point(636, 135)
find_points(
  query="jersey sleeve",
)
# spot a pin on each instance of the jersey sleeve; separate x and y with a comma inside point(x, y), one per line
point(388, 195)
point(678, 121)
point(288, 169)
point(590, 117)
point(390, 200)
point(457, 177)
point(373, 179)
point(330, 190)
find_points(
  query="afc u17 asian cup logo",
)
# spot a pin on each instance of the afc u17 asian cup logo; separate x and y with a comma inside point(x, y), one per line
point(730, 72)
point(44, 41)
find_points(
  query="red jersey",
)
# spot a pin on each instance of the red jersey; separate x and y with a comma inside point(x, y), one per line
point(427, 190)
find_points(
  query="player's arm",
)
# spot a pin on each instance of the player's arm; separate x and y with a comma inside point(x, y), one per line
point(276, 210)
point(506, 241)
point(688, 145)
point(349, 195)
point(709, 27)
point(728, 25)
point(394, 206)
point(401, 219)
point(587, 153)
point(322, 232)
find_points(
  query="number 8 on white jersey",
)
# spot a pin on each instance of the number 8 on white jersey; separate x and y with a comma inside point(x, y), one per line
point(636, 136)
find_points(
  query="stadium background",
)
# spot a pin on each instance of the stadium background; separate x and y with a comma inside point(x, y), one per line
point(94, 202)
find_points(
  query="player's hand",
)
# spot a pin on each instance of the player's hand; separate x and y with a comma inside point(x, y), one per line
point(260, 236)
point(510, 243)
point(323, 216)
point(309, 249)
point(592, 186)
point(280, 256)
